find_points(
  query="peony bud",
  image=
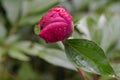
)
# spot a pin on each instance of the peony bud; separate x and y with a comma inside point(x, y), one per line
point(55, 25)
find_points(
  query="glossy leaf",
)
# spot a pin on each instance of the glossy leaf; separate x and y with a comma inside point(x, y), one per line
point(88, 56)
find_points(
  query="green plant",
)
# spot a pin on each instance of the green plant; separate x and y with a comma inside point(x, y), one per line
point(21, 49)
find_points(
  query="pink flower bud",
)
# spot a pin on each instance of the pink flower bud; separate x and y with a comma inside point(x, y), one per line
point(55, 25)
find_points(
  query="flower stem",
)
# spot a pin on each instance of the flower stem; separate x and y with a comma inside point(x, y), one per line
point(95, 77)
point(81, 74)
point(14, 28)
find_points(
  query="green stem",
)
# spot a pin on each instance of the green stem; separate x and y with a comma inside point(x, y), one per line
point(14, 28)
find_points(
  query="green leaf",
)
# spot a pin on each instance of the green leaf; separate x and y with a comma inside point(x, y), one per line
point(114, 8)
point(30, 19)
point(83, 28)
point(88, 56)
point(23, 46)
point(2, 52)
point(111, 32)
point(56, 57)
point(33, 10)
point(18, 55)
point(97, 5)
point(37, 6)
point(26, 73)
point(12, 8)
point(116, 67)
point(98, 29)
point(28, 47)
point(11, 39)
point(3, 31)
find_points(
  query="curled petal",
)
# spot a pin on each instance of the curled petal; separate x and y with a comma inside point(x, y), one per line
point(57, 31)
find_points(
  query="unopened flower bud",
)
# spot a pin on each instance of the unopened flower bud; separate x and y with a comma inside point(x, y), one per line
point(55, 25)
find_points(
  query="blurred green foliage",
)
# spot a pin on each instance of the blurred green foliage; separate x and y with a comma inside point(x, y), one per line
point(24, 56)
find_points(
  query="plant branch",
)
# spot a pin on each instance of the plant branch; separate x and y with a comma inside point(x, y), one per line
point(81, 74)
point(95, 76)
